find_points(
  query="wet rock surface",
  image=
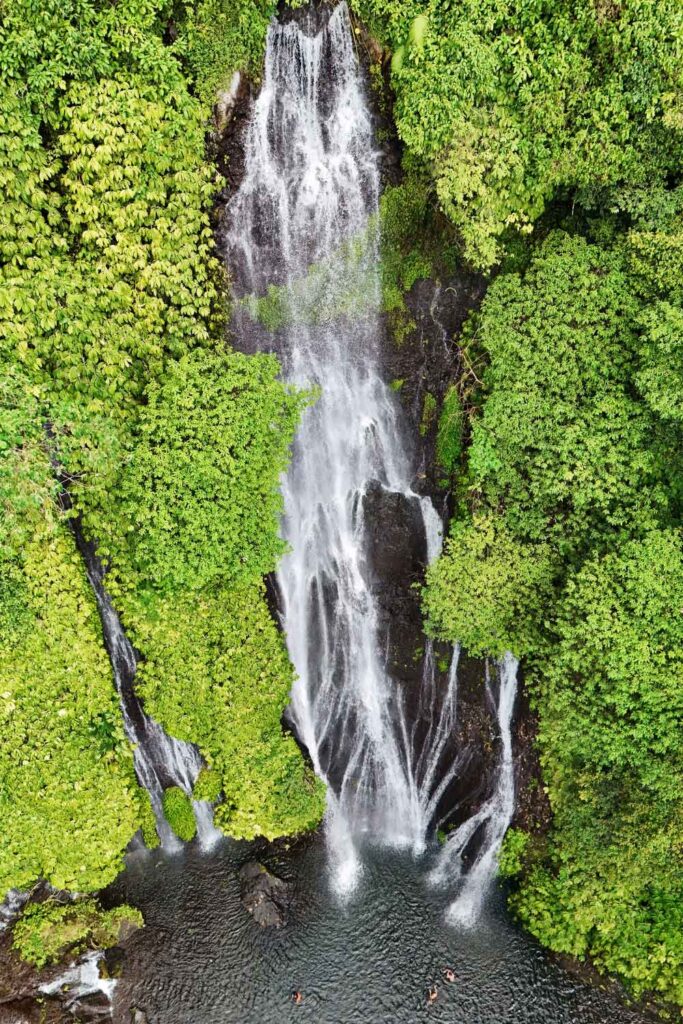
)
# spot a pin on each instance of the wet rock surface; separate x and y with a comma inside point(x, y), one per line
point(264, 895)
point(21, 1001)
point(428, 362)
point(396, 557)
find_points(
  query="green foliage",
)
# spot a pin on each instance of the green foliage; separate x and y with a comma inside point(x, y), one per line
point(63, 755)
point(219, 37)
point(115, 373)
point(449, 438)
point(198, 501)
point(408, 248)
point(566, 549)
point(511, 857)
point(412, 245)
point(561, 458)
point(208, 786)
point(610, 882)
point(179, 814)
point(48, 931)
point(510, 103)
point(429, 408)
point(562, 447)
point(486, 589)
point(195, 515)
point(148, 825)
point(656, 262)
point(217, 673)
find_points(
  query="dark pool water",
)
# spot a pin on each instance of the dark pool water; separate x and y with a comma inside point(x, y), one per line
point(203, 960)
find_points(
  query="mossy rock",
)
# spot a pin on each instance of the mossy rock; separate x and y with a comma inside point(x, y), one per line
point(148, 826)
point(397, 59)
point(179, 813)
point(418, 31)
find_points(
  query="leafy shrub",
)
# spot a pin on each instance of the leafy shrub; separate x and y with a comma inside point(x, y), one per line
point(112, 315)
point(562, 445)
point(198, 502)
point(509, 104)
point(48, 931)
point(57, 766)
point(610, 883)
point(217, 673)
point(179, 814)
point(488, 588)
point(208, 786)
point(566, 549)
point(511, 857)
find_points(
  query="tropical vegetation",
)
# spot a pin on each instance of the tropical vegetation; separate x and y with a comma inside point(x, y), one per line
point(124, 412)
point(549, 140)
point(542, 146)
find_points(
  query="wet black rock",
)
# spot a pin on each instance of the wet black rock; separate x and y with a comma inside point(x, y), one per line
point(396, 555)
point(112, 964)
point(264, 895)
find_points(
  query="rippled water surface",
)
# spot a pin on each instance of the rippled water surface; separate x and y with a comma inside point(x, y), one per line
point(202, 959)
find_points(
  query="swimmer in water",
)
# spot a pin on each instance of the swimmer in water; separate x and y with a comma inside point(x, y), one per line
point(297, 998)
point(449, 974)
point(432, 993)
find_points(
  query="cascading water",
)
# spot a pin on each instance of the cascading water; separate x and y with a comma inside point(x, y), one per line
point(160, 759)
point(305, 219)
point(490, 821)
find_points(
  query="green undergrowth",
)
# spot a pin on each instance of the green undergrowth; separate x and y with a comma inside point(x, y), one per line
point(509, 104)
point(189, 543)
point(208, 786)
point(223, 676)
point(449, 438)
point(117, 381)
point(47, 931)
point(64, 760)
point(567, 549)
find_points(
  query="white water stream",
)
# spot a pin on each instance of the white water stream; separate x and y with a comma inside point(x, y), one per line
point(310, 192)
point(160, 760)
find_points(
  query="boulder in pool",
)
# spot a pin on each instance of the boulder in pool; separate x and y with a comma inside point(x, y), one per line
point(264, 895)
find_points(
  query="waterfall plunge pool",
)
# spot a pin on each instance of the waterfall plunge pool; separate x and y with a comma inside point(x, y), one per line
point(202, 959)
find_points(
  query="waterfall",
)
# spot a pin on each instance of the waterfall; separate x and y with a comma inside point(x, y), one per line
point(160, 760)
point(81, 981)
point(489, 823)
point(305, 223)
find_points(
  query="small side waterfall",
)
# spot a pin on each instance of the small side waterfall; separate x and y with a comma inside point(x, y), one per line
point(160, 760)
point(491, 821)
point(81, 981)
point(305, 219)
